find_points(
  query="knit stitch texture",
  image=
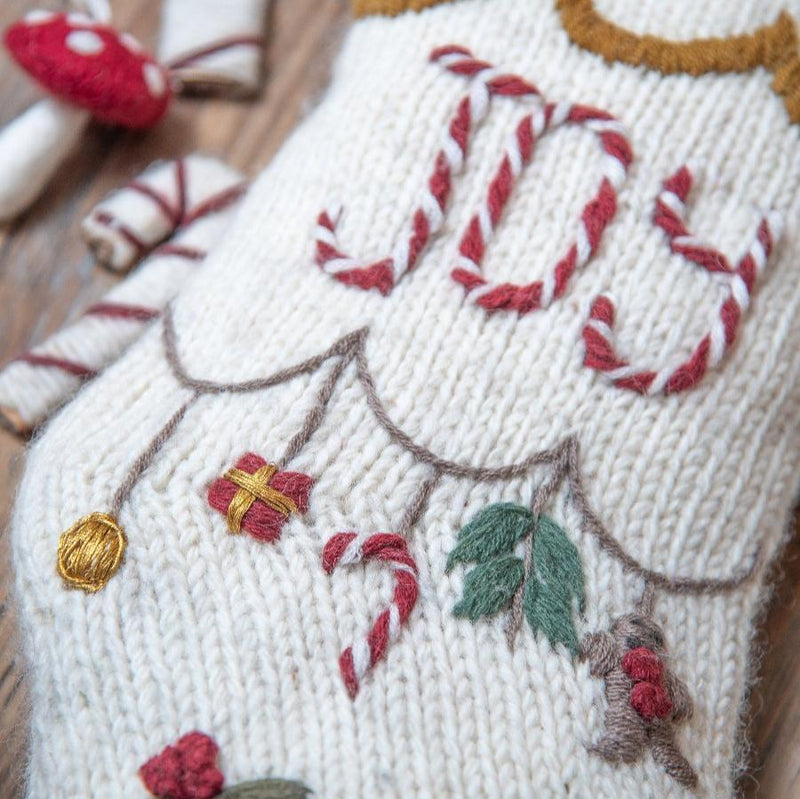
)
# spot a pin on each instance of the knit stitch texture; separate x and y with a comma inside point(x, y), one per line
point(241, 638)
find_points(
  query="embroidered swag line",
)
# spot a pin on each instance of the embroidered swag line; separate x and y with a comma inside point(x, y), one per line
point(563, 459)
point(91, 553)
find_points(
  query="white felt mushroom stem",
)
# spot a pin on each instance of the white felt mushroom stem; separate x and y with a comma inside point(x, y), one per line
point(32, 148)
point(214, 45)
point(97, 9)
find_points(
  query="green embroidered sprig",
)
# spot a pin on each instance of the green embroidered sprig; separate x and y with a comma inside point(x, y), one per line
point(546, 584)
point(267, 789)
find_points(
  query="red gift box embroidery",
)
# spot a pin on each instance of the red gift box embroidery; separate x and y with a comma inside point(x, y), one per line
point(257, 498)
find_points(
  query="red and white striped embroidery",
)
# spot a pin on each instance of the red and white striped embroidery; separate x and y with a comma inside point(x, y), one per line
point(595, 217)
point(346, 549)
point(384, 273)
point(601, 351)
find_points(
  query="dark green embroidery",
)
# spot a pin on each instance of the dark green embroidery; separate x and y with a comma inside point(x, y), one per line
point(545, 585)
point(267, 789)
point(494, 531)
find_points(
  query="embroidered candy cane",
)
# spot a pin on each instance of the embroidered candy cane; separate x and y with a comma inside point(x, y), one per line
point(601, 351)
point(428, 217)
point(350, 548)
point(595, 217)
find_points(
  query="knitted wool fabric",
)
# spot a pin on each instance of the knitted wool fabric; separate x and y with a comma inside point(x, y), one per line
point(639, 521)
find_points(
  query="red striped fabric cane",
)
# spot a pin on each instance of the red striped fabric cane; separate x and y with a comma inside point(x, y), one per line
point(595, 217)
point(168, 196)
point(347, 549)
point(427, 219)
point(598, 336)
point(40, 380)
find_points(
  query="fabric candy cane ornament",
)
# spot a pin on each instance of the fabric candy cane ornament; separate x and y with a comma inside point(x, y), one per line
point(559, 512)
point(191, 200)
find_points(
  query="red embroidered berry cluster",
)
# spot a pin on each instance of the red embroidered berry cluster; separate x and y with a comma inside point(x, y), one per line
point(649, 698)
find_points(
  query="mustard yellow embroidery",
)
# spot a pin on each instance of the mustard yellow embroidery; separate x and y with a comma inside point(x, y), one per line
point(91, 551)
point(363, 8)
point(252, 487)
point(773, 46)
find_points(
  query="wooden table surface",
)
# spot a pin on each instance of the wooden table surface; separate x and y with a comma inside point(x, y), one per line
point(47, 276)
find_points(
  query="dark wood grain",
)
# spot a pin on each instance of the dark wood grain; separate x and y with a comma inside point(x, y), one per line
point(47, 276)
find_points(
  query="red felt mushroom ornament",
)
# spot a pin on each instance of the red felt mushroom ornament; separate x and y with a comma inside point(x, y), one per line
point(91, 71)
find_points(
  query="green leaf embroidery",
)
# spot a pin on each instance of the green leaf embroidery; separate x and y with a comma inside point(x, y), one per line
point(489, 588)
point(545, 595)
point(267, 789)
point(556, 580)
point(494, 531)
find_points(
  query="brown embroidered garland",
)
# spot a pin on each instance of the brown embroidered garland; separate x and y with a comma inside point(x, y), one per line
point(391, 8)
point(774, 47)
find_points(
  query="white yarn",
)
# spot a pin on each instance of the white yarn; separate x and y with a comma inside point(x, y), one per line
point(204, 630)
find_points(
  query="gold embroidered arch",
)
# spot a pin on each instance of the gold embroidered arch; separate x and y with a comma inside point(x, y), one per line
point(774, 47)
point(363, 8)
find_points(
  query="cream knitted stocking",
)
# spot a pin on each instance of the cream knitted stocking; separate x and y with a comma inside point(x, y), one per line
point(397, 500)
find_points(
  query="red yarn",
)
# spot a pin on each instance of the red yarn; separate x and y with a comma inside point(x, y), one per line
point(187, 770)
point(99, 70)
point(600, 350)
point(643, 665)
point(261, 521)
point(650, 701)
point(393, 550)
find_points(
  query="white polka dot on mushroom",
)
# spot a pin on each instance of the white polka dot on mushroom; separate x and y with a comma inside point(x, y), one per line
point(84, 42)
point(154, 78)
point(38, 17)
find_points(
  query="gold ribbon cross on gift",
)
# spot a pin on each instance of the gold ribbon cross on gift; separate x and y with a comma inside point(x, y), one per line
point(254, 487)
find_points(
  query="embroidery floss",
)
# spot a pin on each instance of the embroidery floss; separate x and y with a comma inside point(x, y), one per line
point(774, 47)
point(189, 770)
point(363, 8)
point(598, 333)
point(347, 549)
point(257, 498)
point(645, 699)
point(91, 551)
point(595, 217)
point(428, 218)
point(544, 586)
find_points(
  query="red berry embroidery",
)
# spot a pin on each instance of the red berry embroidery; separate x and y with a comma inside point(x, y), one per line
point(187, 770)
point(642, 665)
point(650, 701)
